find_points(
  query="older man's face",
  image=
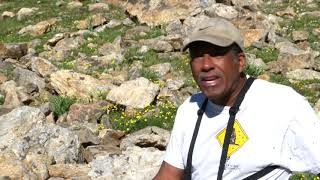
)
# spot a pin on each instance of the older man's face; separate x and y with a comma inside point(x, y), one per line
point(216, 71)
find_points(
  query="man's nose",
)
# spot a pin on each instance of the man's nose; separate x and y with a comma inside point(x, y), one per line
point(207, 62)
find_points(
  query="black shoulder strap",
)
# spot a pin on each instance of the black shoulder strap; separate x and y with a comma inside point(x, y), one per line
point(187, 170)
point(232, 112)
point(261, 173)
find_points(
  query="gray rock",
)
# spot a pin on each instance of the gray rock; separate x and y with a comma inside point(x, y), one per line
point(14, 96)
point(303, 74)
point(25, 77)
point(222, 10)
point(160, 69)
point(56, 38)
point(300, 35)
point(135, 93)
point(24, 12)
point(311, 14)
point(98, 6)
point(136, 31)
point(72, 84)
point(42, 67)
point(156, 12)
point(69, 171)
point(175, 27)
point(134, 163)
point(38, 29)
point(74, 5)
point(6, 14)
point(86, 112)
point(175, 84)
point(157, 44)
point(112, 52)
point(147, 137)
point(69, 43)
point(16, 50)
point(91, 152)
point(256, 62)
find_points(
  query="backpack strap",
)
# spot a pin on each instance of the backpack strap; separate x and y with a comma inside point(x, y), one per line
point(232, 112)
point(187, 170)
point(261, 173)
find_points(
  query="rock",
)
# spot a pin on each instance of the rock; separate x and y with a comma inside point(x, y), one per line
point(16, 50)
point(72, 84)
point(300, 35)
point(147, 137)
point(115, 77)
point(136, 31)
point(289, 12)
point(38, 29)
point(98, 6)
point(24, 12)
point(3, 78)
point(55, 55)
point(243, 3)
point(69, 171)
point(174, 96)
point(69, 44)
point(85, 135)
point(12, 168)
point(221, 10)
point(191, 24)
point(134, 163)
point(7, 14)
point(91, 22)
point(160, 69)
point(86, 112)
point(112, 52)
point(39, 164)
point(24, 132)
point(136, 93)
point(26, 78)
point(252, 35)
point(174, 84)
point(291, 58)
point(56, 38)
point(74, 4)
point(256, 62)
point(316, 65)
point(14, 96)
point(157, 44)
point(316, 32)
point(111, 137)
point(156, 12)
point(87, 65)
point(91, 152)
point(175, 27)
point(315, 14)
point(42, 67)
point(134, 71)
point(175, 40)
point(303, 74)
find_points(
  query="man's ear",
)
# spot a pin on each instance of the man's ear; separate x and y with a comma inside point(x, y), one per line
point(242, 61)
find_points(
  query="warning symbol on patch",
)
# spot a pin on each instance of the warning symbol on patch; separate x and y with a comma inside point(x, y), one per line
point(237, 140)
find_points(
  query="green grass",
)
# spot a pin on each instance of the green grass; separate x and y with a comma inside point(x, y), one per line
point(148, 74)
point(60, 104)
point(304, 176)
point(253, 71)
point(2, 99)
point(161, 116)
point(267, 54)
point(153, 33)
point(298, 86)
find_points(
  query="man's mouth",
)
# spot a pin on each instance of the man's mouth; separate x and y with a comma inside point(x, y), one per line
point(210, 80)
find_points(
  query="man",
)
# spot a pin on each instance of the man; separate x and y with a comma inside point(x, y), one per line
point(274, 127)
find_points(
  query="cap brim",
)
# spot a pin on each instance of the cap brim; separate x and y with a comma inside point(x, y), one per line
point(209, 39)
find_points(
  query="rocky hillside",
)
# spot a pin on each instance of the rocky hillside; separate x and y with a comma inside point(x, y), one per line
point(89, 88)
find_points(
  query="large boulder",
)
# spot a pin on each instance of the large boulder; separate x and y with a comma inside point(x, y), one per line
point(16, 50)
point(38, 29)
point(136, 93)
point(73, 84)
point(155, 12)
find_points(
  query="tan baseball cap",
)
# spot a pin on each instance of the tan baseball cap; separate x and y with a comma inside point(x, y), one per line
point(217, 31)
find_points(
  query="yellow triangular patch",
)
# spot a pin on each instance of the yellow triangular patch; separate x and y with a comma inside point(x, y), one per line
point(238, 138)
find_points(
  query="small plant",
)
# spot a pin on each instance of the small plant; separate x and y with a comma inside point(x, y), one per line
point(2, 99)
point(161, 116)
point(60, 104)
point(267, 54)
point(148, 74)
point(253, 70)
